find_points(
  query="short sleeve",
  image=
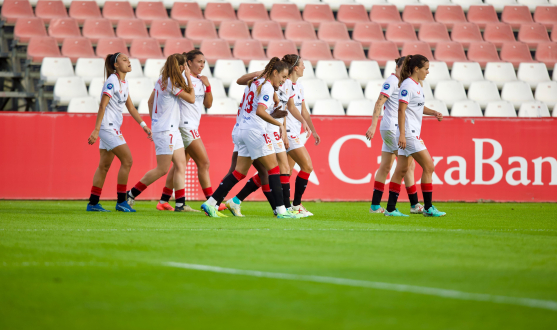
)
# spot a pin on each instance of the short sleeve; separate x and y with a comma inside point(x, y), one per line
point(108, 88)
point(302, 93)
point(266, 97)
point(387, 89)
point(404, 94)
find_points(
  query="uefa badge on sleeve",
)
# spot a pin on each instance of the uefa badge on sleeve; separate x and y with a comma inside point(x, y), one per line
point(404, 92)
point(266, 98)
point(386, 86)
point(109, 86)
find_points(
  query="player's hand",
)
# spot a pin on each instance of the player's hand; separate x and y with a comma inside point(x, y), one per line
point(317, 138)
point(276, 99)
point(370, 133)
point(286, 142)
point(278, 114)
point(93, 137)
point(204, 80)
point(439, 116)
point(402, 142)
point(306, 129)
point(148, 131)
point(186, 70)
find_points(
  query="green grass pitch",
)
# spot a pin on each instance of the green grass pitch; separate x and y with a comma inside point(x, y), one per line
point(63, 268)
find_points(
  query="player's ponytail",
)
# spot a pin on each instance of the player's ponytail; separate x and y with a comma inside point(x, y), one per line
point(399, 61)
point(171, 70)
point(292, 60)
point(274, 64)
point(409, 63)
point(109, 62)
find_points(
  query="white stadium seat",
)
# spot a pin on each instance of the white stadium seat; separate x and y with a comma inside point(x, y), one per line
point(500, 109)
point(434, 3)
point(226, 106)
point(66, 88)
point(331, 71)
point(533, 109)
point(400, 4)
point(533, 73)
point(329, 107)
point(390, 68)
point(89, 68)
point(137, 71)
point(532, 4)
point(500, 4)
point(308, 71)
point(438, 71)
point(143, 107)
point(153, 68)
point(140, 88)
point(229, 70)
point(372, 90)
point(315, 89)
point(207, 71)
point(53, 68)
point(85, 104)
point(555, 72)
point(547, 93)
point(427, 90)
point(465, 4)
point(500, 73)
point(364, 71)
point(335, 4)
point(96, 87)
point(346, 91)
point(257, 65)
point(217, 88)
point(517, 92)
point(467, 72)
point(466, 109)
point(437, 105)
point(450, 91)
point(483, 92)
point(236, 92)
point(361, 108)
point(368, 3)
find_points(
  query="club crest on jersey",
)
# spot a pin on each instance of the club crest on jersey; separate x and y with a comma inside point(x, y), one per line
point(386, 86)
point(170, 147)
point(266, 97)
point(404, 92)
point(109, 86)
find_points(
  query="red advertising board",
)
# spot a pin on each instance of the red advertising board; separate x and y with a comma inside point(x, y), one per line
point(46, 156)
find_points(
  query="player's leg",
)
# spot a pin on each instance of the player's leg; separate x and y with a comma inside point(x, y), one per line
point(179, 164)
point(424, 160)
point(271, 165)
point(387, 159)
point(125, 156)
point(284, 166)
point(301, 156)
point(163, 163)
point(409, 183)
point(198, 153)
point(106, 158)
point(394, 185)
point(163, 204)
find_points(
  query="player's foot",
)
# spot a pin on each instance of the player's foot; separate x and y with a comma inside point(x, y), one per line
point(275, 213)
point(395, 213)
point(129, 198)
point(234, 208)
point(302, 210)
point(209, 210)
point(96, 208)
point(184, 208)
point(164, 207)
point(417, 209)
point(222, 207)
point(433, 212)
point(376, 209)
point(291, 209)
point(289, 215)
point(221, 215)
point(124, 207)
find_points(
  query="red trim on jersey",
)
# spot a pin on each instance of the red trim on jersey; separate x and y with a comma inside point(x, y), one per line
point(107, 94)
point(384, 94)
point(180, 91)
point(414, 81)
point(292, 96)
point(403, 101)
point(263, 104)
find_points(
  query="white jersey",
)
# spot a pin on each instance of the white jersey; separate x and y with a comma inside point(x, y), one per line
point(118, 92)
point(248, 116)
point(390, 109)
point(239, 116)
point(190, 113)
point(293, 125)
point(166, 107)
point(284, 94)
point(412, 94)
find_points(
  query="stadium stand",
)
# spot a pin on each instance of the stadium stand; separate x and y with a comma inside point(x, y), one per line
point(61, 28)
point(351, 14)
point(399, 33)
point(467, 73)
point(117, 10)
point(364, 71)
point(328, 107)
point(450, 91)
point(248, 50)
point(466, 109)
point(164, 29)
point(300, 32)
point(110, 46)
point(183, 12)
point(97, 28)
point(346, 90)
point(331, 71)
point(517, 92)
point(360, 108)
point(48, 10)
point(500, 109)
point(500, 73)
point(367, 32)
point(433, 33)
point(450, 15)
point(483, 52)
point(331, 32)
point(82, 10)
point(150, 10)
point(416, 47)
point(383, 51)
point(78, 47)
point(466, 33)
point(533, 109)
point(219, 11)
point(28, 27)
point(385, 15)
point(279, 48)
point(417, 15)
point(89, 68)
point(86, 104)
point(266, 31)
point(482, 15)
point(348, 51)
point(199, 30)
point(285, 13)
point(54, 68)
point(177, 45)
point(516, 16)
point(483, 92)
point(317, 14)
point(252, 13)
point(438, 105)
point(232, 31)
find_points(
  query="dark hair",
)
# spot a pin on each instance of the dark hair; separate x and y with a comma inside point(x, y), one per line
point(171, 69)
point(399, 61)
point(109, 64)
point(292, 60)
point(409, 64)
point(274, 64)
point(192, 54)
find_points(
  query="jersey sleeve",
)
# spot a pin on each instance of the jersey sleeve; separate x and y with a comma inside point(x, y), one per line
point(108, 88)
point(301, 91)
point(404, 94)
point(266, 97)
point(388, 88)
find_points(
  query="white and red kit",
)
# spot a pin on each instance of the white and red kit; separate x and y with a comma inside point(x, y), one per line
point(190, 113)
point(110, 134)
point(293, 125)
point(412, 93)
point(165, 118)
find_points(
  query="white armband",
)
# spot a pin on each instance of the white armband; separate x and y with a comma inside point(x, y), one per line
point(142, 124)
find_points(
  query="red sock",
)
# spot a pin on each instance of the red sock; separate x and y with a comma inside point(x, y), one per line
point(304, 175)
point(266, 188)
point(138, 189)
point(95, 195)
point(273, 171)
point(256, 180)
point(379, 186)
point(239, 176)
point(208, 192)
point(121, 191)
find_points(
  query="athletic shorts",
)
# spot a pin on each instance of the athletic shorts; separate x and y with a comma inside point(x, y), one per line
point(189, 135)
point(110, 139)
point(294, 141)
point(278, 144)
point(413, 145)
point(166, 142)
point(253, 144)
point(390, 141)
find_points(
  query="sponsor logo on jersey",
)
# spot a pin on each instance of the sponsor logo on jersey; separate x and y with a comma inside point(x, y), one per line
point(266, 98)
point(386, 86)
point(404, 92)
point(420, 104)
point(418, 92)
point(109, 86)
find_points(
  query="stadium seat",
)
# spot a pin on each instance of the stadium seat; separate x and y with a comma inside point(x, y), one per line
point(500, 4)
point(130, 29)
point(300, 32)
point(346, 90)
point(252, 13)
point(217, 88)
point(178, 45)
point(41, 47)
point(384, 15)
point(47, 10)
point(144, 48)
point(229, 70)
point(368, 4)
point(517, 92)
point(140, 88)
point(364, 71)
point(331, 32)
point(329, 107)
point(348, 51)
point(231, 31)
point(467, 72)
point(498, 34)
point(554, 33)
point(547, 53)
point(350, 14)
point(96, 87)
point(533, 34)
point(466, 109)
point(279, 48)
point(61, 28)
point(428, 93)
point(373, 89)
point(383, 51)
point(53, 68)
point(315, 51)
point(483, 92)
point(500, 73)
point(14, 9)
point(309, 73)
point(465, 4)
point(315, 89)
point(200, 30)
point(437, 105)
point(516, 53)
point(266, 31)
point(317, 14)
point(215, 49)
point(285, 13)
point(361, 108)
point(434, 4)
point(450, 15)
point(483, 52)
point(258, 65)
point(149, 11)
point(137, 71)
point(400, 33)
point(433, 33)
point(450, 52)
point(500, 109)
point(367, 32)
point(450, 91)
point(163, 29)
point(533, 109)
point(219, 11)
point(223, 106)
point(248, 50)
point(417, 47)
point(183, 12)
point(301, 4)
point(482, 15)
point(335, 4)
point(67, 88)
point(533, 73)
point(547, 93)
point(331, 71)
point(236, 92)
point(236, 3)
point(516, 16)
point(86, 104)
point(400, 4)
point(110, 46)
point(533, 4)
point(466, 33)
point(89, 68)
point(417, 15)
point(438, 71)
point(95, 29)
point(143, 107)
point(117, 10)
point(153, 68)
point(27, 27)
point(82, 10)
point(79, 47)
point(546, 15)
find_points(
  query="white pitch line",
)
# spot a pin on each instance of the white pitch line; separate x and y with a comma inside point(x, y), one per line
point(444, 293)
point(417, 230)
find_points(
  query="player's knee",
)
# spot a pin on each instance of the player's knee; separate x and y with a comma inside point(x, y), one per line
point(429, 168)
point(383, 170)
point(103, 168)
point(127, 162)
point(308, 168)
point(203, 165)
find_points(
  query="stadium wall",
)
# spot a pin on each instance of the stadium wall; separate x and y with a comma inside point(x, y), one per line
point(46, 156)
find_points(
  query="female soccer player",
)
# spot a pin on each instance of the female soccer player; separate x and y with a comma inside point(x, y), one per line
point(164, 108)
point(114, 97)
point(410, 111)
point(388, 100)
point(252, 139)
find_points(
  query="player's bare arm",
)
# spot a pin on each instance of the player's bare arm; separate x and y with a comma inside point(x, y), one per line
point(375, 118)
point(243, 80)
point(401, 122)
point(296, 114)
point(100, 115)
point(431, 112)
point(307, 117)
point(208, 100)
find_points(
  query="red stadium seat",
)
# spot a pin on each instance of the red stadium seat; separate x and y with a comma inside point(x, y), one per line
point(367, 33)
point(317, 14)
point(300, 32)
point(177, 46)
point(285, 13)
point(449, 15)
point(547, 15)
point(185, 11)
point(79, 47)
point(47, 10)
point(41, 47)
point(219, 11)
point(450, 52)
point(532, 34)
point(547, 53)
point(117, 10)
point(498, 33)
point(266, 31)
point(482, 15)
point(516, 16)
point(400, 33)
point(483, 52)
point(233, 30)
point(416, 15)
point(61, 28)
point(27, 27)
point(314, 51)
point(465, 33)
point(144, 48)
point(82, 10)
point(383, 51)
point(199, 30)
point(554, 33)
point(350, 14)
point(163, 29)
point(433, 33)
point(97, 28)
point(417, 47)
point(515, 52)
point(247, 50)
point(384, 15)
point(14, 9)
point(215, 49)
point(110, 46)
point(252, 13)
point(332, 32)
point(349, 51)
point(129, 29)
point(279, 48)
point(149, 11)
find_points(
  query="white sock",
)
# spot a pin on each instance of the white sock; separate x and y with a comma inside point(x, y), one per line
point(179, 204)
point(211, 201)
point(281, 209)
point(162, 202)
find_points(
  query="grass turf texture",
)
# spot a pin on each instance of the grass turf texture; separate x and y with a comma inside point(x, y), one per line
point(63, 268)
